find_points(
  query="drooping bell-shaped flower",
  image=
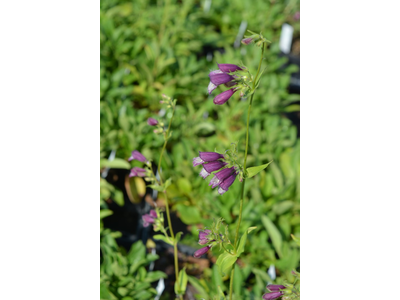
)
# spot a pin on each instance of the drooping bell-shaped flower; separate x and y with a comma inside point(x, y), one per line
point(223, 97)
point(137, 172)
point(226, 68)
point(152, 122)
point(205, 157)
point(272, 296)
point(149, 218)
point(202, 251)
point(203, 239)
point(221, 176)
point(218, 77)
point(137, 156)
point(210, 167)
point(224, 185)
point(275, 287)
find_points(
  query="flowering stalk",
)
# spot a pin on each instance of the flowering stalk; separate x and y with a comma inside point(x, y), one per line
point(175, 242)
point(244, 166)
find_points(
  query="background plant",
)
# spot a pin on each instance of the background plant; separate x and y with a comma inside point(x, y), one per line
point(149, 48)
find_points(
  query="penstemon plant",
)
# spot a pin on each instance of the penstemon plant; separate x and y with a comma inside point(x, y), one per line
point(223, 168)
point(227, 167)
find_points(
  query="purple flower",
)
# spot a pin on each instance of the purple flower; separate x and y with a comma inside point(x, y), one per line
point(149, 218)
point(138, 156)
point(152, 122)
point(223, 97)
point(139, 172)
point(210, 167)
point(224, 185)
point(226, 68)
point(206, 157)
point(201, 251)
point(221, 176)
point(272, 296)
point(203, 236)
point(275, 287)
point(218, 77)
point(211, 87)
point(247, 41)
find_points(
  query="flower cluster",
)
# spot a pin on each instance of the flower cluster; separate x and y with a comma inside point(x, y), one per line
point(275, 291)
point(204, 238)
point(222, 76)
point(149, 218)
point(211, 162)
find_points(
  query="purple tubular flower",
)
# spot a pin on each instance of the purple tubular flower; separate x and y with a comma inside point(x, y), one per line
point(149, 218)
point(201, 251)
point(220, 78)
point(224, 185)
point(272, 296)
point(210, 167)
point(247, 41)
point(223, 97)
point(221, 176)
point(275, 287)
point(139, 172)
point(206, 157)
point(203, 236)
point(138, 156)
point(226, 68)
point(152, 122)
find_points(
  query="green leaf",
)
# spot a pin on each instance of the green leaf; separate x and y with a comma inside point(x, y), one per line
point(273, 233)
point(163, 238)
point(178, 236)
point(243, 240)
point(167, 183)
point(199, 287)
point(189, 214)
point(155, 275)
point(297, 240)
point(255, 170)
point(105, 213)
point(184, 185)
point(117, 163)
point(225, 262)
point(156, 187)
point(181, 287)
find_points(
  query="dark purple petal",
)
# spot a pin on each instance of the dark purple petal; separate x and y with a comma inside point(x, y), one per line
point(247, 41)
point(201, 251)
point(272, 296)
point(136, 171)
point(223, 97)
point(220, 78)
point(152, 122)
point(153, 213)
point(229, 68)
point(275, 287)
point(210, 156)
point(214, 166)
point(224, 185)
point(138, 156)
point(211, 87)
point(223, 174)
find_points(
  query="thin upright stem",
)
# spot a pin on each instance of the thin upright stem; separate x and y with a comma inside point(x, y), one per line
point(166, 137)
point(244, 171)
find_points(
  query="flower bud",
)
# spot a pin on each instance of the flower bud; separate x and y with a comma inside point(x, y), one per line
point(201, 251)
point(152, 122)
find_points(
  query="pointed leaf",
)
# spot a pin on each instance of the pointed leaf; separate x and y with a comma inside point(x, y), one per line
point(181, 287)
point(255, 170)
point(163, 238)
point(273, 233)
point(225, 262)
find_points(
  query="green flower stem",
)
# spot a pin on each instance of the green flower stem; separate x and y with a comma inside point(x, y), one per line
point(166, 137)
point(244, 170)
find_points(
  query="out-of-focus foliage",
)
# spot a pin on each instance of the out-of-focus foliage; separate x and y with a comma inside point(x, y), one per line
point(148, 48)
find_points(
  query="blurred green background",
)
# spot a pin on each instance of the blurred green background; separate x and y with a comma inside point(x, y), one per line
point(148, 48)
